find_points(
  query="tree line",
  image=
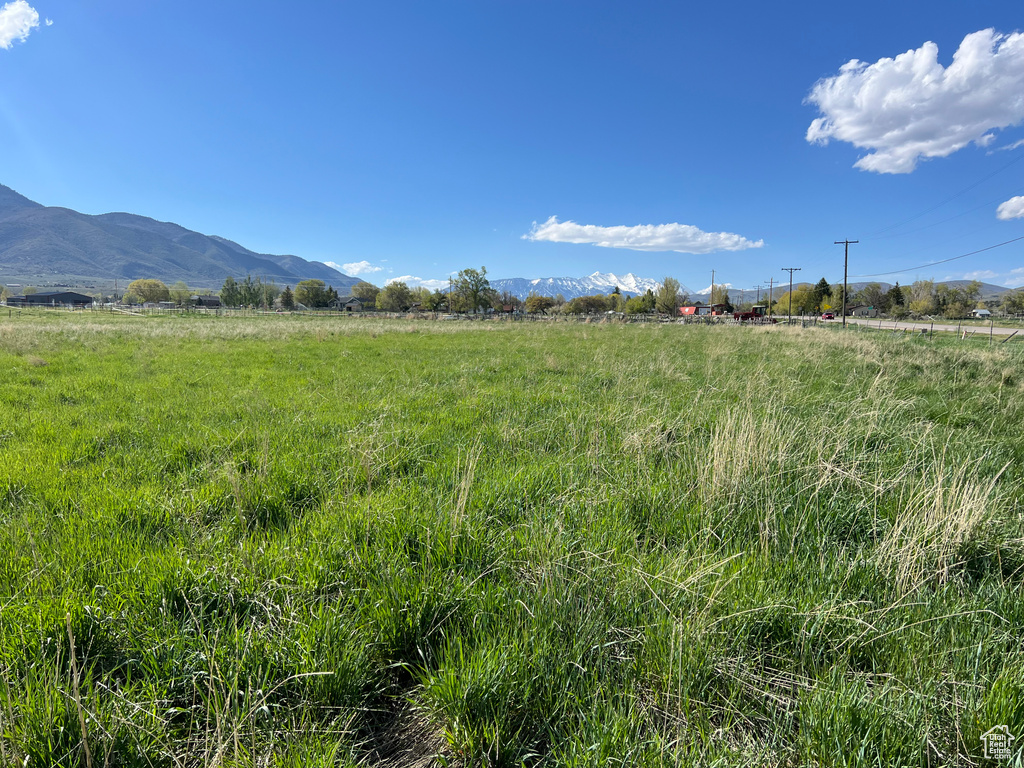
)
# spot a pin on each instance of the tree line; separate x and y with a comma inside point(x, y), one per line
point(471, 291)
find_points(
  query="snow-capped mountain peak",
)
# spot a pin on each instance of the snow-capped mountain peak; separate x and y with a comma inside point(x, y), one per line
point(571, 287)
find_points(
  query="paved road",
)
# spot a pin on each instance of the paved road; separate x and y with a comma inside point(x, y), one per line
point(977, 330)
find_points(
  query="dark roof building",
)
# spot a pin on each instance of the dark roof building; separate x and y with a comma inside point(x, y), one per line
point(56, 299)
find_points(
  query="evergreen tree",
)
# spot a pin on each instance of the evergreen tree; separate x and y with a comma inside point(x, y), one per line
point(896, 298)
point(230, 295)
point(821, 292)
point(287, 299)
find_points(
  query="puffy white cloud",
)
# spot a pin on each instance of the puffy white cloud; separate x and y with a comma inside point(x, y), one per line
point(358, 268)
point(418, 282)
point(980, 274)
point(1011, 209)
point(645, 237)
point(911, 107)
point(17, 19)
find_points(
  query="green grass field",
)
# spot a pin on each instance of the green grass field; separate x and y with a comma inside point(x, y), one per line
point(301, 542)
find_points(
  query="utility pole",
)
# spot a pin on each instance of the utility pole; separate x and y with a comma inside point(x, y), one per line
point(758, 299)
point(791, 270)
point(846, 261)
point(771, 294)
point(711, 297)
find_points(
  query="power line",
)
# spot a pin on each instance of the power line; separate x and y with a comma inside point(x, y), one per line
point(949, 199)
point(986, 204)
point(943, 261)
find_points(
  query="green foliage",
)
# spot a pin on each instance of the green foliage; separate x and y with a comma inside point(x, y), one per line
point(366, 291)
point(396, 297)
point(472, 290)
point(953, 302)
point(1013, 302)
point(822, 292)
point(720, 295)
point(312, 293)
point(668, 297)
point(537, 304)
point(590, 305)
point(146, 290)
point(896, 297)
point(180, 294)
point(287, 299)
point(230, 295)
point(297, 540)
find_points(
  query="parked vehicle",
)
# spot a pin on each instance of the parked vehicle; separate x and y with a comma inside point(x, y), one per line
point(828, 315)
point(756, 314)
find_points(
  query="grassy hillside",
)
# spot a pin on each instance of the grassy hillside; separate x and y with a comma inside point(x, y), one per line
point(292, 541)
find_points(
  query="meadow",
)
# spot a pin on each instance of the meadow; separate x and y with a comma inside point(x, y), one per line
point(293, 541)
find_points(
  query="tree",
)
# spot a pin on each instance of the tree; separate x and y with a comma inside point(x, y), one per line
point(837, 297)
point(439, 301)
point(922, 297)
point(149, 290)
point(957, 301)
point(230, 296)
point(312, 293)
point(822, 291)
point(537, 304)
point(873, 296)
point(720, 295)
point(29, 290)
point(5, 293)
point(588, 305)
point(895, 296)
point(472, 289)
point(637, 305)
point(395, 297)
point(180, 293)
point(667, 300)
point(1013, 302)
point(365, 291)
point(287, 299)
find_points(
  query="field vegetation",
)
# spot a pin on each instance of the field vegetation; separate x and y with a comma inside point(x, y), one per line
point(336, 542)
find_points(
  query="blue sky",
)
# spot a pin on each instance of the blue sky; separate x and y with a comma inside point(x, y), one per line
point(536, 138)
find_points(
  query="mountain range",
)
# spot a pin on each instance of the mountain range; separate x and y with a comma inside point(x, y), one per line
point(42, 246)
point(631, 285)
point(572, 287)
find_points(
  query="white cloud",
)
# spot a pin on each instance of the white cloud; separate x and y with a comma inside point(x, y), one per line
point(980, 274)
point(682, 238)
point(911, 107)
point(359, 268)
point(1015, 279)
point(1011, 209)
point(17, 19)
point(418, 282)
point(1010, 146)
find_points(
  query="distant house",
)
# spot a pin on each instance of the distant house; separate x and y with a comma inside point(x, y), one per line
point(57, 299)
point(981, 313)
point(861, 310)
point(695, 310)
point(206, 301)
point(351, 304)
